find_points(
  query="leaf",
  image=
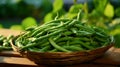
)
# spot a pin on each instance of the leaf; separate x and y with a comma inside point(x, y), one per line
point(71, 15)
point(117, 12)
point(109, 11)
point(16, 27)
point(1, 26)
point(94, 14)
point(75, 8)
point(85, 8)
point(100, 5)
point(57, 5)
point(115, 31)
point(73, 11)
point(48, 17)
point(117, 40)
point(115, 22)
point(29, 21)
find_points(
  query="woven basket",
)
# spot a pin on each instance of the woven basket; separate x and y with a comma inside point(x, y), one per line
point(62, 58)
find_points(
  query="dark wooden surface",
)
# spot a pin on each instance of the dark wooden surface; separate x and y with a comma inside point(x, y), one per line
point(13, 59)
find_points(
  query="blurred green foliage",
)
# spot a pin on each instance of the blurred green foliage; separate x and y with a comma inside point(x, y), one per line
point(1, 26)
point(109, 11)
point(24, 8)
point(57, 8)
point(16, 27)
point(28, 22)
point(117, 40)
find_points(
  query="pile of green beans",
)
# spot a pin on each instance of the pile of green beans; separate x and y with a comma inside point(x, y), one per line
point(62, 35)
point(5, 42)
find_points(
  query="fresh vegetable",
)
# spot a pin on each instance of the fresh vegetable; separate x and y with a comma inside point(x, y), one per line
point(62, 35)
point(5, 42)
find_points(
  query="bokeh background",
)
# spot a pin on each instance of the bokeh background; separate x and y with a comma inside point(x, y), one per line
point(20, 14)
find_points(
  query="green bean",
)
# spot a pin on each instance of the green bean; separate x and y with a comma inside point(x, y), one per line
point(44, 49)
point(62, 43)
point(73, 48)
point(6, 41)
point(6, 44)
point(33, 44)
point(82, 38)
point(39, 34)
point(75, 42)
point(57, 47)
point(79, 17)
point(84, 33)
point(86, 45)
point(18, 44)
point(2, 38)
point(74, 30)
point(58, 20)
point(33, 49)
point(47, 24)
point(27, 46)
point(54, 27)
point(41, 28)
point(46, 36)
point(100, 39)
point(57, 16)
point(105, 44)
point(67, 33)
point(71, 23)
point(5, 48)
point(77, 45)
point(25, 34)
point(101, 35)
point(68, 43)
point(80, 26)
point(37, 31)
point(95, 44)
point(30, 28)
point(55, 38)
point(54, 50)
point(9, 37)
point(100, 30)
point(64, 39)
point(85, 28)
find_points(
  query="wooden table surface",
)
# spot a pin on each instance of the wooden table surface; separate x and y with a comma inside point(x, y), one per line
point(10, 58)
